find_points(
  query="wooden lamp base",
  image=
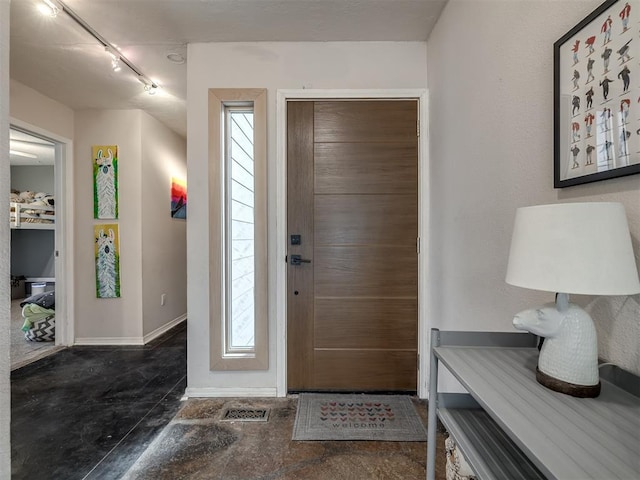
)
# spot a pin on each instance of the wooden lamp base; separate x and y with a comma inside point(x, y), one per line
point(581, 391)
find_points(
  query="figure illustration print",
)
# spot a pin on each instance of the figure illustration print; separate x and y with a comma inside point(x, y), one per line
point(606, 29)
point(624, 138)
point(575, 101)
point(575, 130)
point(589, 43)
point(589, 96)
point(590, 149)
point(604, 83)
point(590, 76)
point(596, 89)
point(574, 152)
point(625, 75)
point(588, 121)
point(624, 52)
point(625, 104)
point(606, 56)
point(606, 150)
point(575, 49)
point(105, 182)
point(605, 120)
point(624, 16)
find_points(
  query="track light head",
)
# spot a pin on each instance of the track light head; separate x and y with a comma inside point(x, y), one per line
point(150, 86)
point(50, 8)
point(115, 58)
point(151, 89)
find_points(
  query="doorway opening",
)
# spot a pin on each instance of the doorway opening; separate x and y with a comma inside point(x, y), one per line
point(39, 315)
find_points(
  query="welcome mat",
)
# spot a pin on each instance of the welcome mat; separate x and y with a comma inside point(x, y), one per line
point(388, 418)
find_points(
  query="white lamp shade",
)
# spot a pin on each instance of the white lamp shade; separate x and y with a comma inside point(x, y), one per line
point(581, 248)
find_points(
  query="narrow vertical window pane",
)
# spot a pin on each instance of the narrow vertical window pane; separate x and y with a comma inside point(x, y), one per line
point(240, 231)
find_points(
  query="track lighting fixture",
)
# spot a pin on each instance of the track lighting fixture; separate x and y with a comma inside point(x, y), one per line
point(115, 59)
point(50, 8)
point(54, 7)
point(151, 89)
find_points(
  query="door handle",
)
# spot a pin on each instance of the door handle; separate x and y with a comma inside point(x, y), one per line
point(298, 260)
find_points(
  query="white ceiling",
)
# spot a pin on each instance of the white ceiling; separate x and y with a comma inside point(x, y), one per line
point(26, 149)
point(59, 59)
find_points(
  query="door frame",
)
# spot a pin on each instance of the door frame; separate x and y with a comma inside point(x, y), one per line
point(64, 241)
point(280, 291)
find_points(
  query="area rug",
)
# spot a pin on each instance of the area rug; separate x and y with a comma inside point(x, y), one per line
point(388, 418)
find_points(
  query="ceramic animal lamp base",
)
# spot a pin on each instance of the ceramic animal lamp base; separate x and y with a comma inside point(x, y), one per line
point(582, 391)
point(568, 361)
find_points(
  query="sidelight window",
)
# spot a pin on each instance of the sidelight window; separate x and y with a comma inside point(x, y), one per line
point(238, 229)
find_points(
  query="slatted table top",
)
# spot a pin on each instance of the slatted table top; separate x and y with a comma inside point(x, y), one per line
point(564, 436)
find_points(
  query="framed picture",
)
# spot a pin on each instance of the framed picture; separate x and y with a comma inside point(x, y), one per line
point(178, 198)
point(597, 96)
point(105, 181)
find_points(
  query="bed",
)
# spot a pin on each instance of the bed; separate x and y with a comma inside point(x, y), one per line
point(32, 211)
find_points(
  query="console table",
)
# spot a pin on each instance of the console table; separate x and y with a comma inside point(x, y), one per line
point(509, 426)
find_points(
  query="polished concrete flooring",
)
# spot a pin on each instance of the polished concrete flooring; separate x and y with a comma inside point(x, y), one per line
point(111, 413)
point(198, 444)
point(90, 412)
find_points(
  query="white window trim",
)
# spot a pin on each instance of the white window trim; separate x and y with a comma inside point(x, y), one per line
point(259, 358)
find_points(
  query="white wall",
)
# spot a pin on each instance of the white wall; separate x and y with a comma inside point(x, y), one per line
point(152, 244)
point(37, 178)
point(5, 303)
point(120, 320)
point(491, 137)
point(164, 239)
point(108, 317)
point(30, 106)
point(332, 65)
point(32, 251)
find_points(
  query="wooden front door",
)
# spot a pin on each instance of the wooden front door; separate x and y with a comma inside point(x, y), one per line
point(352, 303)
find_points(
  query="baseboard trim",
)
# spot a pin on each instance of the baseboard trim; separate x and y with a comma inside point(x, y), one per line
point(131, 340)
point(39, 355)
point(109, 341)
point(163, 329)
point(222, 392)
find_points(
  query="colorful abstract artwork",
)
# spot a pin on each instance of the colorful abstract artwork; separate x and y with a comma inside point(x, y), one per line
point(178, 198)
point(107, 254)
point(105, 181)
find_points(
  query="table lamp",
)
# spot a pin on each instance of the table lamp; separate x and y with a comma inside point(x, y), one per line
point(580, 248)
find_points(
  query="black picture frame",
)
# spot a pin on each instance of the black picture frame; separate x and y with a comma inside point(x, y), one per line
point(596, 82)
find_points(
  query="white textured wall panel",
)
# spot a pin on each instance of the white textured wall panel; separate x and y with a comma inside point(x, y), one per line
point(490, 78)
point(282, 65)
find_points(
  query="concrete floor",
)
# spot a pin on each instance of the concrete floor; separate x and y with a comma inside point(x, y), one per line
point(90, 412)
point(197, 444)
point(105, 413)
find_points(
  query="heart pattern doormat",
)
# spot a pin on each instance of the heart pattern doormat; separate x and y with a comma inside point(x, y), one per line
point(389, 418)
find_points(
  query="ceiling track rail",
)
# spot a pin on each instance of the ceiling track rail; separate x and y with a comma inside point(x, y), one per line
point(106, 44)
